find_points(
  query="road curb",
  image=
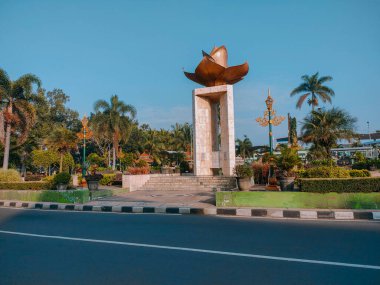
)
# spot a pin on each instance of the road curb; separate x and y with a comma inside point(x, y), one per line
point(240, 212)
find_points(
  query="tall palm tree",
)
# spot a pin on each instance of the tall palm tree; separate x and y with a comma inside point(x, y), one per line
point(314, 88)
point(116, 119)
point(62, 140)
point(17, 114)
point(323, 128)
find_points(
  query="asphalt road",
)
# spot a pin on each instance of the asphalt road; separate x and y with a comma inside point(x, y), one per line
point(53, 247)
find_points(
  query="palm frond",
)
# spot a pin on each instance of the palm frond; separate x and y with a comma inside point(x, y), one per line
point(301, 100)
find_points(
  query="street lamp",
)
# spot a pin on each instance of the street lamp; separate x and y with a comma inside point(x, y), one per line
point(270, 119)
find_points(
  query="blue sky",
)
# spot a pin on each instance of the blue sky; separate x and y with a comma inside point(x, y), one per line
point(137, 49)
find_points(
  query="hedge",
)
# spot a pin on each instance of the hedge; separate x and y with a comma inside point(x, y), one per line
point(340, 185)
point(300, 200)
point(71, 196)
point(40, 185)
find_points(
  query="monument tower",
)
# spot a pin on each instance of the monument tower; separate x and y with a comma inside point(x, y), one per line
point(213, 113)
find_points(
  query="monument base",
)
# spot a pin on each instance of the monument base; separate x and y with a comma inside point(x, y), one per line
point(214, 130)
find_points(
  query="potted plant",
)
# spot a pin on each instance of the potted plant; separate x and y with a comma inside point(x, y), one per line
point(61, 180)
point(286, 163)
point(93, 180)
point(243, 174)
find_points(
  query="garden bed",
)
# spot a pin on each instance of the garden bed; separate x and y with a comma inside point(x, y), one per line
point(298, 200)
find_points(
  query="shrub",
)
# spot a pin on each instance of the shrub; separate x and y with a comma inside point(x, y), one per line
point(367, 164)
point(260, 172)
point(287, 160)
point(324, 172)
point(340, 185)
point(360, 173)
point(138, 170)
point(25, 185)
point(360, 165)
point(243, 170)
point(33, 177)
point(107, 179)
point(9, 175)
point(322, 162)
point(61, 178)
point(141, 163)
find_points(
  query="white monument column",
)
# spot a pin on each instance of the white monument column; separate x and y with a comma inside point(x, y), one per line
point(208, 156)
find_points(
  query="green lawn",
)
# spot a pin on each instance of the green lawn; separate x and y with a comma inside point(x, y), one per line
point(298, 200)
point(70, 196)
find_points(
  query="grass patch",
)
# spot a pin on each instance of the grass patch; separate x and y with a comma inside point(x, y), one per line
point(298, 200)
point(69, 196)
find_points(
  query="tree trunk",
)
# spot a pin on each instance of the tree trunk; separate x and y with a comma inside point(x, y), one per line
point(109, 155)
point(61, 163)
point(113, 158)
point(2, 130)
point(7, 136)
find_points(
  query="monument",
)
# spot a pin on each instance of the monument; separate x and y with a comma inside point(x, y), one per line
point(213, 113)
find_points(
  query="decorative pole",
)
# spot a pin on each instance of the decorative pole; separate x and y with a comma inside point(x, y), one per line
point(270, 119)
point(85, 133)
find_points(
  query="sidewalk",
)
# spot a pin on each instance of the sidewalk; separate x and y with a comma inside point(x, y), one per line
point(134, 207)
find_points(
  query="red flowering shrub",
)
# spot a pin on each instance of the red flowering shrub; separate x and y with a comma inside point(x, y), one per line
point(139, 170)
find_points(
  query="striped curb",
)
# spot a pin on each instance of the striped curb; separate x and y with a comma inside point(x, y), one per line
point(240, 212)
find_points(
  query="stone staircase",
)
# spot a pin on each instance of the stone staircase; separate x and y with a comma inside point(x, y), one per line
point(190, 183)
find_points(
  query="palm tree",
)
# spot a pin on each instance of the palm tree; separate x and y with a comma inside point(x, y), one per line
point(323, 128)
point(17, 114)
point(313, 86)
point(116, 119)
point(244, 147)
point(62, 140)
point(181, 140)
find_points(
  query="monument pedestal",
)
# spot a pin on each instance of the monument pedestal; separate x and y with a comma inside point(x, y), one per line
point(214, 130)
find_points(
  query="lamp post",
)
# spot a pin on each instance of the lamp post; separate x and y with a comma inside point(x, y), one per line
point(84, 134)
point(270, 119)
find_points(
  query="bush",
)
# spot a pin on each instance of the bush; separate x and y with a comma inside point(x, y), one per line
point(141, 163)
point(322, 162)
point(9, 175)
point(324, 172)
point(260, 172)
point(243, 170)
point(25, 185)
point(77, 196)
point(107, 179)
point(61, 178)
point(360, 173)
point(339, 185)
point(287, 160)
point(367, 164)
point(33, 177)
point(138, 170)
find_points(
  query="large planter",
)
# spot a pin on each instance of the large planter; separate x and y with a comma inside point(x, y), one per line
point(93, 185)
point(287, 183)
point(61, 186)
point(93, 181)
point(166, 170)
point(244, 183)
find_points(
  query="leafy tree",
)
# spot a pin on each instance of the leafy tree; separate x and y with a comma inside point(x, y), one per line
point(115, 119)
point(314, 88)
point(62, 140)
point(18, 115)
point(44, 158)
point(323, 128)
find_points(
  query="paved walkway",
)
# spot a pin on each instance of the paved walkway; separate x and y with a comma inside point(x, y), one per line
point(163, 198)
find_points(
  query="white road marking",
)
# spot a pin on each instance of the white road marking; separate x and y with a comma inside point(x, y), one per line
point(323, 262)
